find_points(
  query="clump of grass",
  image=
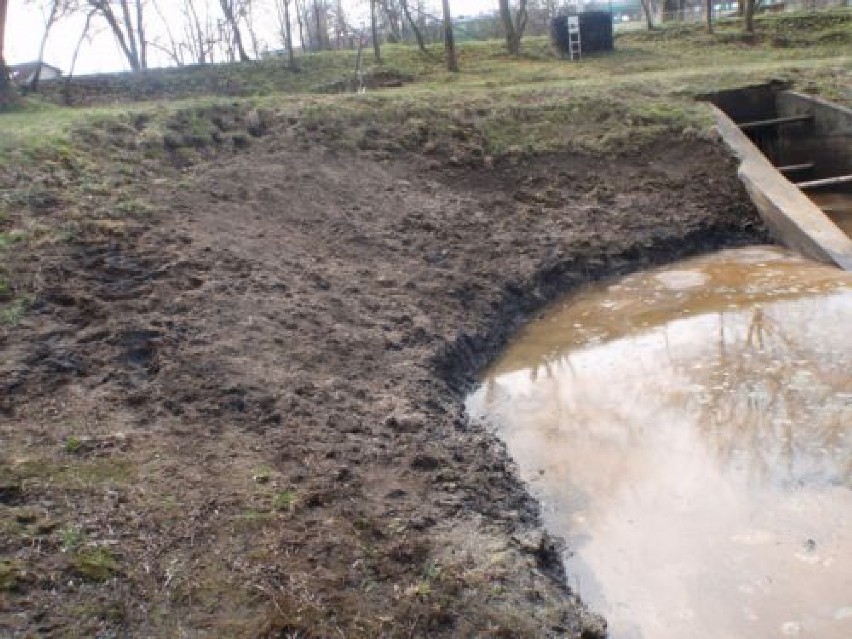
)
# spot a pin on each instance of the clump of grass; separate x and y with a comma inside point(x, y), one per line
point(252, 520)
point(71, 537)
point(262, 475)
point(9, 238)
point(284, 500)
point(73, 444)
point(95, 564)
point(12, 575)
point(12, 313)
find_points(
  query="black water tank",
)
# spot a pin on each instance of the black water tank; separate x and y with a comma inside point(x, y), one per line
point(595, 32)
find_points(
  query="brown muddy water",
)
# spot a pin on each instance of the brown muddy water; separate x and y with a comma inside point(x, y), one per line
point(689, 433)
point(837, 206)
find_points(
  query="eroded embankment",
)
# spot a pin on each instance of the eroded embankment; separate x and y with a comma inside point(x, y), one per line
point(244, 415)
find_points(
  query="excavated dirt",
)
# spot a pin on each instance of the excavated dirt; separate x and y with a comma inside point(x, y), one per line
point(242, 417)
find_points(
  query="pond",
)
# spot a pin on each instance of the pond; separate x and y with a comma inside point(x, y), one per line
point(688, 431)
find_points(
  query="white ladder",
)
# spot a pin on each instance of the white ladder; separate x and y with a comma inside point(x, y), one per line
point(574, 48)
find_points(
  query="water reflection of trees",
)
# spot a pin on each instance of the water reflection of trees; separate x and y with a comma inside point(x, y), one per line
point(769, 405)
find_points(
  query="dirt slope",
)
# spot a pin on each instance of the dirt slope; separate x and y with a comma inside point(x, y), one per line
point(243, 417)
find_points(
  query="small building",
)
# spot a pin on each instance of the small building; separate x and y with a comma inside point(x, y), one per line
point(23, 74)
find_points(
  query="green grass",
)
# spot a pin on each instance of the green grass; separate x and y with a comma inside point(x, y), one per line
point(12, 313)
point(284, 500)
point(71, 537)
point(95, 564)
point(657, 71)
point(73, 444)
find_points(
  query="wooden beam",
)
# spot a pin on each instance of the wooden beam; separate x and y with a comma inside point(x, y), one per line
point(790, 119)
point(832, 181)
point(793, 168)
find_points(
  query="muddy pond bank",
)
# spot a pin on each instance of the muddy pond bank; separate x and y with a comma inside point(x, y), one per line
point(266, 384)
point(686, 429)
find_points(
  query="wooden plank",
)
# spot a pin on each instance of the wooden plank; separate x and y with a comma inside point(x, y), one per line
point(790, 119)
point(832, 181)
point(793, 168)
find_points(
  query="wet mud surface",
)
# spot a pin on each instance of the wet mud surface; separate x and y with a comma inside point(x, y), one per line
point(243, 416)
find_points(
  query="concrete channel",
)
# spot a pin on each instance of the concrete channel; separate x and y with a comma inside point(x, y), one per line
point(795, 155)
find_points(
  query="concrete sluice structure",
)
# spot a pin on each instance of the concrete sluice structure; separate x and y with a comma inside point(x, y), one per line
point(796, 163)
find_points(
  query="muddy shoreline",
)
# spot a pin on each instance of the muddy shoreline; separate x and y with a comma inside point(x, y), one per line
point(276, 362)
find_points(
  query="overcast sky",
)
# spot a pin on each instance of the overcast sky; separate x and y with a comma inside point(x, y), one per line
point(101, 54)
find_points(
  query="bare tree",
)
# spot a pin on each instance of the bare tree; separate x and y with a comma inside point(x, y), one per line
point(318, 15)
point(339, 25)
point(648, 11)
point(283, 10)
point(391, 19)
point(449, 39)
point(247, 13)
point(514, 27)
point(129, 35)
point(175, 49)
point(86, 26)
point(708, 8)
point(749, 10)
point(374, 31)
point(300, 18)
point(53, 10)
point(6, 92)
point(406, 10)
point(233, 25)
point(200, 32)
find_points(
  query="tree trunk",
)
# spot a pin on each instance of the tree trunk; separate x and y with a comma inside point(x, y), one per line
point(291, 58)
point(750, 6)
point(228, 10)
point(249, 20)
point(709, 9)
point(300, 21)
point(358, 85)
point(320, 40)
point(514, 26)
point(649, 17)
point(414, 28)
point(374, 29)
point(449, 39)
point(392, 18)
point(67, 90)
point(103, 7)
point(508, 27)
point(140, 31)
point(54, 10)
point(131, 35)
point(6, 92)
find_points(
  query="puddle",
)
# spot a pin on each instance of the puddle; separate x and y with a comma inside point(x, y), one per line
point(838, 206)
point(689, 433)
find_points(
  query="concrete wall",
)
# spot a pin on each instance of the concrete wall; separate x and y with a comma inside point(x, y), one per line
point(792, 218)
point(828, 142)
point(748, 104)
